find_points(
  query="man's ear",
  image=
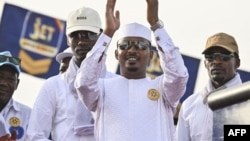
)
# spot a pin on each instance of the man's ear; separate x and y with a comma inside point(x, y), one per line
point(237, 63)
point(116, 54)
point(67, 39)
point(205, 64)
point(17, 83)
point(151, 54)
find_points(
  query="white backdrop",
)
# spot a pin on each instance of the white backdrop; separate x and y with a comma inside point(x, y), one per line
point(189, 22)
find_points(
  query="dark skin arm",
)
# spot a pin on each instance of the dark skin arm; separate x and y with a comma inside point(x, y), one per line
point(152, 14)
point(152, 11)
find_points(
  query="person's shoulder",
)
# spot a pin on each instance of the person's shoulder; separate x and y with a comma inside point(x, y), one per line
point(23, 111)
point(53, 83)
point(54, 79)
point(22, 106)
point(192, 97)
point(192, 101)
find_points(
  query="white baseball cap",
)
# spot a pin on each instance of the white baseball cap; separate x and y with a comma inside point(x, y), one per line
point(66, 53)
point(134, 30)
point(83, 19)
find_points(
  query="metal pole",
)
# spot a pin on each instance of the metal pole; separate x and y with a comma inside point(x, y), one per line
point(229, 96)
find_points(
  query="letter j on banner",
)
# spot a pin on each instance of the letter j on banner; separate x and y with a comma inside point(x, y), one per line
point(34, 38)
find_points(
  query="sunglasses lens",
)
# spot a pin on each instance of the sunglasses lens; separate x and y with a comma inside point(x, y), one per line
point(223, 57)
point(15, 61)
point(2, 58)
point(78, 35)
point(209, 57)
point(143, 45)
point(123, 45)
point(92, 36)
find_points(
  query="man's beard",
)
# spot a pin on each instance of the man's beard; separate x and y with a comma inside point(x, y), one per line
point(132, 69)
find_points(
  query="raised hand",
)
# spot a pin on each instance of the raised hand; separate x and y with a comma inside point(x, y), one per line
point(112, 18)
point(152, 11)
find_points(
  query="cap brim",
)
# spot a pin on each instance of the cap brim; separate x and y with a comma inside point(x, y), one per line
point(77, 28)
point(62, 55)
point(217, 45)
point(12, 65)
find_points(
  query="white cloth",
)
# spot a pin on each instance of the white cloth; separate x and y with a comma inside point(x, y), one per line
point(195, 122)
point(123, 111)
point(18, 114)
point(83, 125)
point(57, 110)
point(3, 128)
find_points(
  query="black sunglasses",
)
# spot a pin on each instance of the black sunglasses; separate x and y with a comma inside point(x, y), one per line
point(223, 57)
point(84, 35)
point(13, 60)
point(126, 45)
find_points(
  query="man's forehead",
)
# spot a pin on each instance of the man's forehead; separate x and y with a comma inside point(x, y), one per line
point(133, 38)
point(7, 68)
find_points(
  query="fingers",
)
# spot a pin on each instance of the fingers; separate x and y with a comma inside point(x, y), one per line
point(8, 137)
point(5, 138)
point(117, 15)
point(13, 135)
point(112, 18)
point(152, 11)
point(111, 4)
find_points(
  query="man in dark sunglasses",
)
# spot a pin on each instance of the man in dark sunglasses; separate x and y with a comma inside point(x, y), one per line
point(57, 109)
point(132, 106)
point(14, 116)
point(221, 61)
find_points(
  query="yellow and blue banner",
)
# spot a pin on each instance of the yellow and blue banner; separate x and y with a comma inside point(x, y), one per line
point(34, 38)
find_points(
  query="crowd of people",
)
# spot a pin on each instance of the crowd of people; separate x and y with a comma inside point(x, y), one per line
point(85, 102)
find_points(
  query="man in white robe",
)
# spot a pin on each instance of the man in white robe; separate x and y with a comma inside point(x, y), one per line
point(133, 107)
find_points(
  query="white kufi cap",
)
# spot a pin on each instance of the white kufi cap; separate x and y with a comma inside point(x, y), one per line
point(134, 30)
point(66, 53)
